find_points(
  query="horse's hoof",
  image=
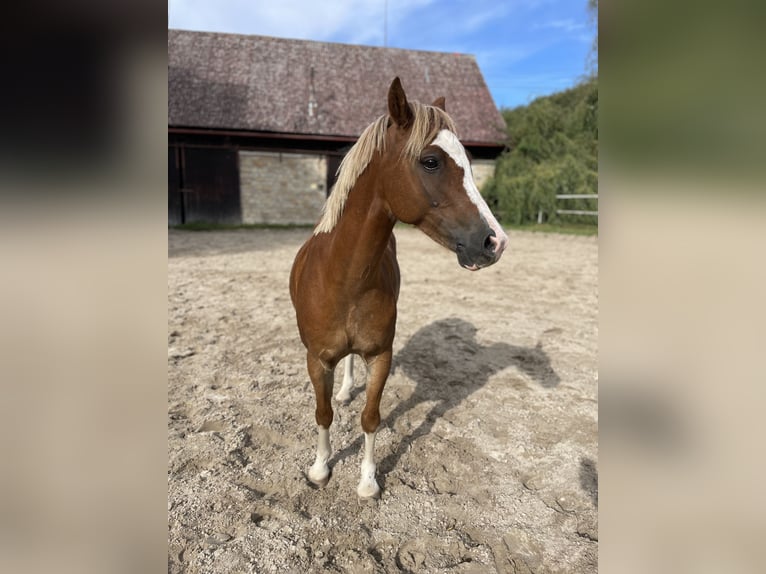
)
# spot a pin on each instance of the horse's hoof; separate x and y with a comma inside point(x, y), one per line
point(319, 483)
point(367, 491)
point(319, 478)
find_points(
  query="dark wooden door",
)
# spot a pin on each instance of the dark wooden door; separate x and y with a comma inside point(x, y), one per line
point(175, 198)
point(333, 162)
point(211, 185)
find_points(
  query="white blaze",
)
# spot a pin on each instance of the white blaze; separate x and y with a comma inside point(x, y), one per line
point(448, 141)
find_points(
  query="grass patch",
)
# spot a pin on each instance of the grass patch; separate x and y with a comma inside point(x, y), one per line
point(566, 228)
point(202, 226)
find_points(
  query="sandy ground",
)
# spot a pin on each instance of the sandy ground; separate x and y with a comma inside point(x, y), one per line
point(487, 452)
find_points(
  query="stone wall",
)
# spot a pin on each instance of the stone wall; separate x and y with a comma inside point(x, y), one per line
point(281, 188)
point(286, 188)
point(483, 169)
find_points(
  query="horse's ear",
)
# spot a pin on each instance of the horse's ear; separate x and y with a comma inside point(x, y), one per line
point(439, 103)
point(398, 108)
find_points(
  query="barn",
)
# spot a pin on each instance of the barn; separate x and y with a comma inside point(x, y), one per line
point(257, 126)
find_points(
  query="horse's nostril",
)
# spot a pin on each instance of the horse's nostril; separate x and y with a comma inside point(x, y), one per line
point(490, 242)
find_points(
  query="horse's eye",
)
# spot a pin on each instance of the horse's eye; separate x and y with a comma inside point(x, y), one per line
point(430, 163)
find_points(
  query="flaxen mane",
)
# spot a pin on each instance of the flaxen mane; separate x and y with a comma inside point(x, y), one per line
point(427, 122)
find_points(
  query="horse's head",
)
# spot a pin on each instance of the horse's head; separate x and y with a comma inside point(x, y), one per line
point(431, 186)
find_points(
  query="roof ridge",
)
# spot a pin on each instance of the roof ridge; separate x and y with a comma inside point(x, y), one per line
point(302, 40)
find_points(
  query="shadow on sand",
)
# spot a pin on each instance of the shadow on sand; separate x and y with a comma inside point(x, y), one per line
point(448, 364)
point(589, 479)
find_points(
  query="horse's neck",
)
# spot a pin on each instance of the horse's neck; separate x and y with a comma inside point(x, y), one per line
point(363, 230)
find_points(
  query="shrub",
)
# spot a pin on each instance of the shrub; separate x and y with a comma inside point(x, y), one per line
point(552, 149)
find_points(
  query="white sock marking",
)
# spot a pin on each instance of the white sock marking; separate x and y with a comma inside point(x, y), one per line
point(368, 486)
point(319, 471)
point(344, 394)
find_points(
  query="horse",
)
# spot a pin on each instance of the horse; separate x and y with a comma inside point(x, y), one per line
point(409, 166)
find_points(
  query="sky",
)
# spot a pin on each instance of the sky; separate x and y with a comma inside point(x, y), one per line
point(524, 48)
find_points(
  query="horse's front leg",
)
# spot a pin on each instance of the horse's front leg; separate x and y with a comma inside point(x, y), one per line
point(322, 380)
point(379, 367)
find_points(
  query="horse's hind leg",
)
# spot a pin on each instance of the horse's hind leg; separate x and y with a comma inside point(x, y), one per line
point(322, 380)
point(379, 366)
point(344, 394)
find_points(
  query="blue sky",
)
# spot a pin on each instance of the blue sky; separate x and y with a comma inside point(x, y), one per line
point(525, 48)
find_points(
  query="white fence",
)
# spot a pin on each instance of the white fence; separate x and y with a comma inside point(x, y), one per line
point(571, 211)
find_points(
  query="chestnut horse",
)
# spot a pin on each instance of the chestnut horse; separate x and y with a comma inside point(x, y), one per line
point(406, 166)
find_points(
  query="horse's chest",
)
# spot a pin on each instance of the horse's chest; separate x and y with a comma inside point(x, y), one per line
point(370, 322)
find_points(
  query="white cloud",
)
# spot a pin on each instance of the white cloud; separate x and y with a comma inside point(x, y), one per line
point(478, 19)
point(354, 21)
point(567, 25)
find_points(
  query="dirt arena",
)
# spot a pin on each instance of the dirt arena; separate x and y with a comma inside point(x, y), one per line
point(487, 452)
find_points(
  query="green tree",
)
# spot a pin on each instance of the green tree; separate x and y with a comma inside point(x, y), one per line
point(552, 149)
point(592, 64)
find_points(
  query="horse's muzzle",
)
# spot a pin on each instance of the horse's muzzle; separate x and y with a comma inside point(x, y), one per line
point(480, 249)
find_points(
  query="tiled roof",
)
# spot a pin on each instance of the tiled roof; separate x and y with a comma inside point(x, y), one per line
point(260, 83)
